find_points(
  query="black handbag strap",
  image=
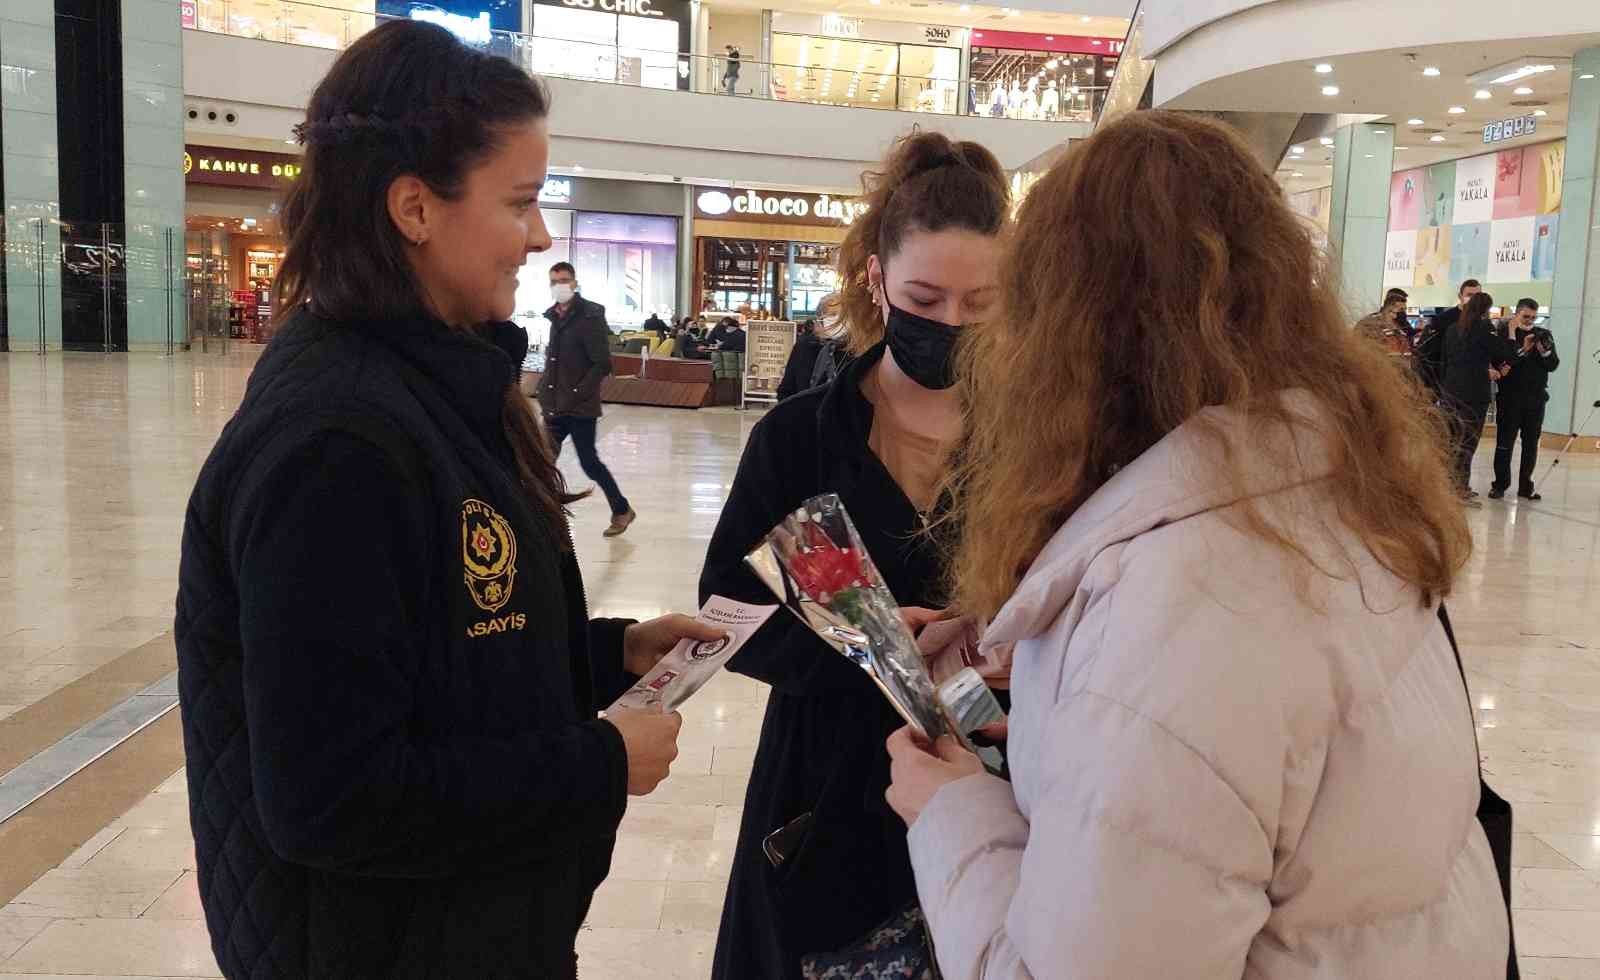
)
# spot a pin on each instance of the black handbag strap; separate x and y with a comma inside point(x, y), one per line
point(1450, 634)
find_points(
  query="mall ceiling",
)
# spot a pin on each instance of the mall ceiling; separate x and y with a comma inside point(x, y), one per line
point(1396, 87)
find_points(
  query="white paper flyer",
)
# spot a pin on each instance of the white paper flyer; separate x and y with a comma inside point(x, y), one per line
point(692, 662)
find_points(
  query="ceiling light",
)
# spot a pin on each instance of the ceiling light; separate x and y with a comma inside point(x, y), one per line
point(1085, 18)
point(577, 170)
point(1323, 69)
point(966, 8)
point(1586, 76)
point(1326, 141)
point(1096, 43)
point(1515, 71)
point(1483, 93)
point(1436, 139)
point(1049, 37)
point(1413, 122)
point(1297, 174)
point(1330, 90)
point(1431, 72)
point(1522, 90)
point(1457, 110)
point(1399, 148)
point(1297, 150)
point(1540, 112)
point(291, 142)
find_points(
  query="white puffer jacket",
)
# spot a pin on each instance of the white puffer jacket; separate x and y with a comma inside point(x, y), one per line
point(1214, 777)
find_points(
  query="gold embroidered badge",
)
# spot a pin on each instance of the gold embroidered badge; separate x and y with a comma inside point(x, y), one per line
point(489, 554)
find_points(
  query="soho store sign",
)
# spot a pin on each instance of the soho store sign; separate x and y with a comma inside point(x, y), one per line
point(755, 204)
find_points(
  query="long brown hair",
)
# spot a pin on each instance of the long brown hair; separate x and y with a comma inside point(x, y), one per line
point(407, 98)
point(1155, 271)
point(1478, 308)
point(928, 182)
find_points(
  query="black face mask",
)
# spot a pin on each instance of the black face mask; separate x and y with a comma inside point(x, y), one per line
point(923, 348)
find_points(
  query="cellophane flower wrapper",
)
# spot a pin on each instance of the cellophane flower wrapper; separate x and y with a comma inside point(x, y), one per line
point(815, 562)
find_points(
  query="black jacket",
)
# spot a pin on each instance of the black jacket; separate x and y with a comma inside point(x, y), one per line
point(387, 690)
point(1468, 356)
point(1428, 354)
point(1529, 380)
point(576, 361)
point(802, 361)
point(822, 743)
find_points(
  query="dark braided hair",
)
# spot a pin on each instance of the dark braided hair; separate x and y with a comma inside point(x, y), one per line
point(407, 98)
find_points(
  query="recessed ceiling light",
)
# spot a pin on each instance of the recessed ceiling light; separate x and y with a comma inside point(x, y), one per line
point(1436, 139)
point(1586, 76)
point(577, 170)
point(1330, 90)
point(1085, 18)
point(1297, 150)
point(1297, 174)
point(1522, 90)
point(966, 8)
point(1326, 141)
point(1413, 122)
point(1483, 93)
point(1457, 110)
point(1540, 112)
point(1324, 69)
point(1431, 72)
point(290, 142)
point(1399, 148)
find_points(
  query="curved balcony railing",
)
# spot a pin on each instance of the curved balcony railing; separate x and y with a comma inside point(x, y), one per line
point(327, 26)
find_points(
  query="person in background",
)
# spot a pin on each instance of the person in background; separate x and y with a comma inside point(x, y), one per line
point(1384, 328)
point(1429, 356)
point(734, 340)
point(657, 326)
point(577, 362)
point(1475, 357)
point(730, 74)
point(1520, 400)
point(1239, 745)
point(720, 332)
point(802, 363)
point(389, 679)
point(920, 263)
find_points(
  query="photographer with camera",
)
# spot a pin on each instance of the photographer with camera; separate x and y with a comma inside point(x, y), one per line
point(1519, 405)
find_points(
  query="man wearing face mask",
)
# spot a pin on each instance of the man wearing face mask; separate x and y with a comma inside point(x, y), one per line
point(578, 359)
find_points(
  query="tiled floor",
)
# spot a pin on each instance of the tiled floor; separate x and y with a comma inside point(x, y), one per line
point(96, 458)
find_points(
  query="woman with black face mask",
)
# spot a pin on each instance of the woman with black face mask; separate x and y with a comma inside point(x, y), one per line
point(821, 860)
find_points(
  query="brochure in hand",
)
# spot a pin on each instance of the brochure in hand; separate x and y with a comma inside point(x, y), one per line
point(692, 662)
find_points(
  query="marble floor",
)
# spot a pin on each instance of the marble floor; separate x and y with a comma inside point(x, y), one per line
point(96, 459)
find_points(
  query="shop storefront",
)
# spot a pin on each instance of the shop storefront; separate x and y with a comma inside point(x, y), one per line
point(323, 24)
point(621, 236)
point(1039, 76)
point(835, 60)
point(634, 42)
point(232, 243)
point(768, 252)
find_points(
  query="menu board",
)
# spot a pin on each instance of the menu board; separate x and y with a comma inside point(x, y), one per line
point(767, 347)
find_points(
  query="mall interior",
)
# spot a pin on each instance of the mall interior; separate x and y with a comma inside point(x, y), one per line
point(706, 161)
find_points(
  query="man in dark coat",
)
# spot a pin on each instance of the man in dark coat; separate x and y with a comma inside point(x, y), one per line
point(1520, 400)
point(1429, 354)
point(578, 360)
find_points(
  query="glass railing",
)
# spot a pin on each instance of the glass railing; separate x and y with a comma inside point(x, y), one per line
point(329, 26)
point(1130, 88)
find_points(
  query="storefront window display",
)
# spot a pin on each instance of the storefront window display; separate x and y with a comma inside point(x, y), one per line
point(1039, 76)
point(634, 42)
point(626, 262)
point(323, 24)
point(833, 60)
point(474, 21)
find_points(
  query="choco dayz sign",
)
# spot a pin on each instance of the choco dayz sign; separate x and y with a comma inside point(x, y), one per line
point(776, 206)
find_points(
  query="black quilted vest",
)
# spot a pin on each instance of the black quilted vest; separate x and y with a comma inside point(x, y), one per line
point(501, 656)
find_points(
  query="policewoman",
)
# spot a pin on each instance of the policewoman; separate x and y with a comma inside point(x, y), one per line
point(389, 679)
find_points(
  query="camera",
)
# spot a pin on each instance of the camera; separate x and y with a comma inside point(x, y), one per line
point(1543, 337)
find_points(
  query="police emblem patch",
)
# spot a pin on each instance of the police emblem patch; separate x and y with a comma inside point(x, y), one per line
point(489, 555)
